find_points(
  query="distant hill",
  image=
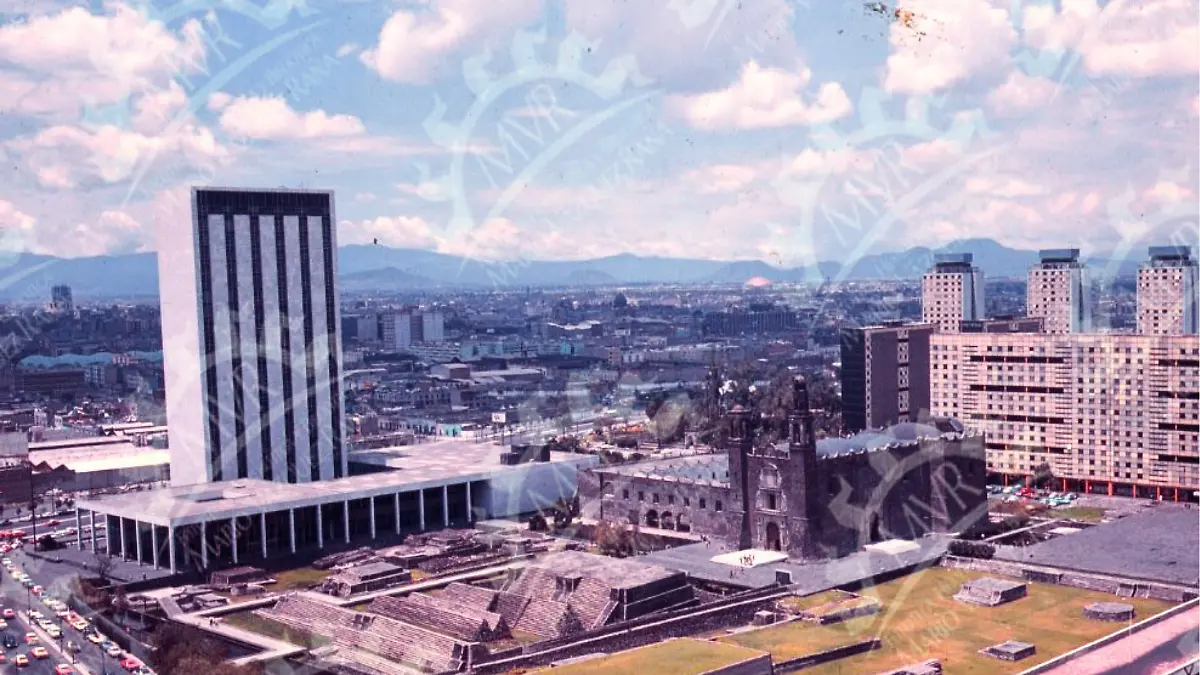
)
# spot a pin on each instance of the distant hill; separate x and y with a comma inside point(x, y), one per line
point(367, 267)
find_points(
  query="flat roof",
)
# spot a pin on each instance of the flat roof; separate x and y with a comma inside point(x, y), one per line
point(1161, 543)
point(107, 457)
point(424, 465)
point(614, 572)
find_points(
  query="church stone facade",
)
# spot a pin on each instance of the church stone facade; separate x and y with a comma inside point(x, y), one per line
point(812, 499)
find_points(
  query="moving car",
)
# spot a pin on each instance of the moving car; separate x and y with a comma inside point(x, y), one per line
point(9, 613)
point(114, 651)
point(31, 638)
point(95, 638)
point(21, 660)
point(131, 664)
point(39, 653)
point(63, 669)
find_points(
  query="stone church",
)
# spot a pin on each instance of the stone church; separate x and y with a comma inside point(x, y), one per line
point(811, 499)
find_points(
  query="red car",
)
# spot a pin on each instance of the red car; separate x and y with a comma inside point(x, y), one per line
point(63, 669)
point(52, 521)
point(9, 614)
point(131, 664)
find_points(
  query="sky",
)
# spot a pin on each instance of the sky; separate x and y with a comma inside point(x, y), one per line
point(778, 130)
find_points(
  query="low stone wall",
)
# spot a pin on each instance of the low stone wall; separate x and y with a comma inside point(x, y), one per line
point(759, 665)
point(1073, 579)
point(845, 651)
point(841, 615)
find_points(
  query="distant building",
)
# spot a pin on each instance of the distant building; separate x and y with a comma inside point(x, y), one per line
point(251, 335)
point(401, 330)
point(884, 374)
point(755, 321)
point(1166, 292)
point(1057, 292)
point(1004, 324)
point(51, 382)
point(60, 299)
point(952, 292)
point(1107, 412)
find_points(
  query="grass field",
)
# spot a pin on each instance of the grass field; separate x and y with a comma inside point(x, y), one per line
point(800, 604)
point(273, 629)
point(921, 620)
point(1086, 514)
point(675, 657)
point(302, 577)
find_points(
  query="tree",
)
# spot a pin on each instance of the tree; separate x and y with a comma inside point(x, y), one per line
point(612, 539)
point(104, 566)
point(179, 648)
point(537, 523)
point(1043, 475)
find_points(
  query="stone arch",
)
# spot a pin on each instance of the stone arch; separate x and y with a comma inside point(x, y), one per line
point(769, 477)
point(652, 518)
point(774, 538)
point(666, 521)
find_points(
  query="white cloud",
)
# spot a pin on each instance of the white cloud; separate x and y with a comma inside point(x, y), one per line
point(1003, 187)
point(1167, 192)
point(219, 100)
point(69, 157)
point(721, 178)
point(274, 119)
point(1019, 93)
point(58, 63)
point(1136, 39)
point(397, 232)
point(414, 43)
point(763, 98)
point(347, 49)
point(16, 229)
point(364, 197)
point(821, 162)
point(947, 42)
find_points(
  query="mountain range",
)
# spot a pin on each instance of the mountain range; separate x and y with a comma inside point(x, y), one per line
point(365, 268)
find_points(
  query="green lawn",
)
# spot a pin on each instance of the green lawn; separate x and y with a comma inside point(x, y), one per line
point(273, 629)
point(920, 620)
point(800, 604)
point(1086, 514)
point(302, 577)
point(674, 657)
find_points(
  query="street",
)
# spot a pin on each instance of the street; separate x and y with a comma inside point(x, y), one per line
point(55, 578)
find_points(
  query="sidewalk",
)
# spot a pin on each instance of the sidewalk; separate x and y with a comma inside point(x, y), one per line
point(273, 649)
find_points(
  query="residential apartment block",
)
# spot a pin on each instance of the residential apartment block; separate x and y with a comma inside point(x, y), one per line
point(1110, 413)
point(952, 292)
point(1166, 292)
point(885, 374)
point(1057, 291)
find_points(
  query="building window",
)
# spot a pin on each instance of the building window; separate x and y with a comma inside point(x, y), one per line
point(718, 506)
point(641, 496)
point(624, 494)
point(654, 497)
point(772, 503)
point(671, 499)
point(703, 503)
point(687, 501)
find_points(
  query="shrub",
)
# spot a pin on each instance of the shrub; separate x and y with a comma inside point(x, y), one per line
point(972, 549)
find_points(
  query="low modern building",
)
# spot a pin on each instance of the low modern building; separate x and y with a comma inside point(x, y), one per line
point(417, 488)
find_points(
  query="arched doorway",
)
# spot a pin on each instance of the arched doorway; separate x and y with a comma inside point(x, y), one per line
point(667, 521)
point(652, 518)
point(875, 535)
point(773, 540)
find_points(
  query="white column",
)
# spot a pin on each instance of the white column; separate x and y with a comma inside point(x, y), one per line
point(372, 511)
point(204, 544)
point(396, 501)
point(445, 506)
point(421, 509)
point(137, 533)
point(121, 527)
point(292, 529)
point(171, 547)
point(92, 516)
point(154, 545)
point(233, 538)
point(346, 519)
point(79, 529)
point(320, 529)
point(469, 514)
point(262, 528)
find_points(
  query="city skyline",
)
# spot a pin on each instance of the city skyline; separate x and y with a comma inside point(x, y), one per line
point(727, 128)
